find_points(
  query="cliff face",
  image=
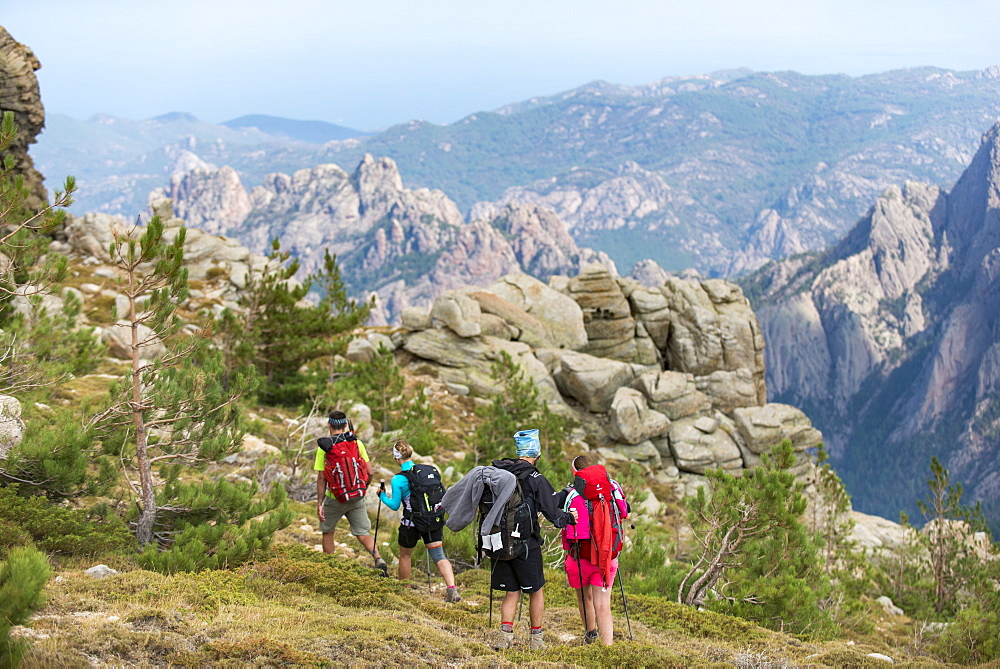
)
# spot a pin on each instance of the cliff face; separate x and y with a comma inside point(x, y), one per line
point(19, 94)
point(892, 337)
point(404, 246)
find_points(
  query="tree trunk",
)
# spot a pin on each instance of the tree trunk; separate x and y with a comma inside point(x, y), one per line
point(144, 528)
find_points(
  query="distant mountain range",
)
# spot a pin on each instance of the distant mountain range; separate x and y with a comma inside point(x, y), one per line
point(314, 132)
point(718, 172)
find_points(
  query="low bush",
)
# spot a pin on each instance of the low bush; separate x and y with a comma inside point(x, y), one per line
point(58, 530)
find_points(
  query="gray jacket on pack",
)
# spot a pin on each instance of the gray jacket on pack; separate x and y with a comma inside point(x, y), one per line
point(462, 499)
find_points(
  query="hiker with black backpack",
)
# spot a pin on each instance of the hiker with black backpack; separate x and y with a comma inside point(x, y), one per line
point(592, 545)
point(418, 489)
point(524, 573)
point(343, 473)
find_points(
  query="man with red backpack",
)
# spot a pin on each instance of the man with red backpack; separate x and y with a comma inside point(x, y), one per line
point(343, 473)
point(592, 545)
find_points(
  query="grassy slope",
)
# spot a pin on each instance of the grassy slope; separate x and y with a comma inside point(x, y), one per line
point(298, 607)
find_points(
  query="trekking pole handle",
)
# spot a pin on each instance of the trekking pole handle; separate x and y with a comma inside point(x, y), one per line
point(381, 485)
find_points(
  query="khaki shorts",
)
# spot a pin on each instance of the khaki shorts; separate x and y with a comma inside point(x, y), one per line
point(357, 516)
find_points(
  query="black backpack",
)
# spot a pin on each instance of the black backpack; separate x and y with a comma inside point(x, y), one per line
point(515, 525)
point(426, 491)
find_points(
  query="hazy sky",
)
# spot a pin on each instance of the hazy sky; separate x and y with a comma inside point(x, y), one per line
point(371, 63)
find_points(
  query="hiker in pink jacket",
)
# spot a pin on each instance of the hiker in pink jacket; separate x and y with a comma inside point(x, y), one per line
point(592, 545)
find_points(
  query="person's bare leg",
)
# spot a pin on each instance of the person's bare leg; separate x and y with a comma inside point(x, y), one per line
point(509, 605)
point(591, 621)
point(328, 542)
point(444, 566)
point(602, 607)
point(405, 558)
point(368, 542)
point(536, 607)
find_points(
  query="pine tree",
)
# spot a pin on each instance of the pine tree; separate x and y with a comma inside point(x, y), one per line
point(949, 536)
point(278, 330)
point(179, 411)
point(27, 271)
point(829, 514)
point(40, 343)
point(22, 576)
point(758, 559)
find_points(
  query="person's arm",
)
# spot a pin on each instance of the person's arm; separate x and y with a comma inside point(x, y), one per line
point(320, 495)
point(395, 499)
point(319, 464)
point(546, 499)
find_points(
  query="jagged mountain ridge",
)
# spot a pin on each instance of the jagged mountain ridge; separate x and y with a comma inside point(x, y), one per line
point(891, 340)
point(405, 246)
point(755, 165)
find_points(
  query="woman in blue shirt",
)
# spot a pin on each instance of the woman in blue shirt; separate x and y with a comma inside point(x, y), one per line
point(402, 453)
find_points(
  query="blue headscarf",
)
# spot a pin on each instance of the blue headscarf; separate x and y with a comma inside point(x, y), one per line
point(527, 444)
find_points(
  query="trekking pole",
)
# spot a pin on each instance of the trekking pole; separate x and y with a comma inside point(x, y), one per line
point(621, 574)
point(583, 598)
point(378, 514)
point(428, 556)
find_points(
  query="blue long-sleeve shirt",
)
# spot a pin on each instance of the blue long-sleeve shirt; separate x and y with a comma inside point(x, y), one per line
point(400, 488)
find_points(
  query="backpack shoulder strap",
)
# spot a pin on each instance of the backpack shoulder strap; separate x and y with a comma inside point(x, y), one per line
point(572, 495)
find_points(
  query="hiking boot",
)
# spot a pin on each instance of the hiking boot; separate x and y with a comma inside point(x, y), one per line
point(451, 595)
point(382, 566)
point(536, 641)
point(590, 637)
point(503, 640)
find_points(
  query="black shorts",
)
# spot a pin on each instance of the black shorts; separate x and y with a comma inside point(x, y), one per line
point(409, 536)
point(522, 574)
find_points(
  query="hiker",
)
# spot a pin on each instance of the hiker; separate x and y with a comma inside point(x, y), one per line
point(343, 473)
point(523, 574)
point(409, 534)
point(593, 543)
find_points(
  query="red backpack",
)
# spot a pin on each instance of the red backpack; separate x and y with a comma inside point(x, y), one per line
point(345, 471)
point(595, 486)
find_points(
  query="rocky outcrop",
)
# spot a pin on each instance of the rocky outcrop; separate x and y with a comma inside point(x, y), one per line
point(606, 314)
point(11, 425)
point(19, 94)
point(681, 422)
point(561, 316)
point(896, 327)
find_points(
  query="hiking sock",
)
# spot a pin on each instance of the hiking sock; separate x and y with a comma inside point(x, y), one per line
point(507, 627)
point(536, 630)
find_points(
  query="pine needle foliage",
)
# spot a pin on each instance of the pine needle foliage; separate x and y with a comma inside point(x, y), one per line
point(214, 525)
point(58, 530)
point(25, 268)
point(27, 272)
point(279, 330)
point(949, 536)
point(758, 560)
point(179, 412)
point(22, 577)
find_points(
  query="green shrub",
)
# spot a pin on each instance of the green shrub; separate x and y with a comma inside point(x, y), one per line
point(973, 638)
point(22, 578)
point(12, 536)
point(59, 530)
